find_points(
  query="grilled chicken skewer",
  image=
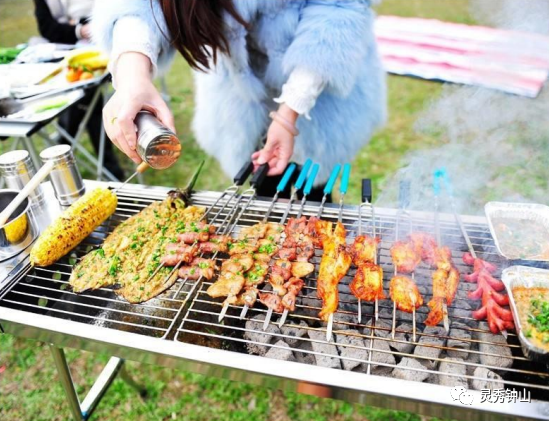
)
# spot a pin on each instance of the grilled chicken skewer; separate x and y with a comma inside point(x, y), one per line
point(343, 260)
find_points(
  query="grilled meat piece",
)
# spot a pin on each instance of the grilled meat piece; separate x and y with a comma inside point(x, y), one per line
point(364, 250)
point(443, 258)
point(249, 296)
point(271, 301)
point(243, 246)
point(266, 246)
point(306, 250)
point(256, 274)
point(193, 237)
point(237, 263)
point(404, 293)
point(288, 253)
point(293, 286)
point(405, 256)
point(261, 257)
point(425, 245)
point(367, 284)
point(228, 284)
point(334, 265)
point(196, 272)
point(283, 268)
point(181, 253)
point(302, 269)
point(478, 264)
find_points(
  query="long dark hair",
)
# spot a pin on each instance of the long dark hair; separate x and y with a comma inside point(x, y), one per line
point(197, 28)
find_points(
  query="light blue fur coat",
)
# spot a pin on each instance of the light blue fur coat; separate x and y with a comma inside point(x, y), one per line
point(333, 38)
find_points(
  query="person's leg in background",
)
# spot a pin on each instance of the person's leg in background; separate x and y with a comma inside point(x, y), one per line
point(70, 120)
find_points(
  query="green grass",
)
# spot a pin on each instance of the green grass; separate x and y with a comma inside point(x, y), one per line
point(29, 387)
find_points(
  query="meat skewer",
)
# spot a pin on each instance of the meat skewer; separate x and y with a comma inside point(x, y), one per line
point(306, 191)
point(405, 259)
point(342, 260)
point(377, 270)
point(472, 256)
point(239, 180)
point(445, 303)
point(312, 222)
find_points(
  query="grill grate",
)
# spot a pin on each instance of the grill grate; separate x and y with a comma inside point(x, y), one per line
point(185, 313)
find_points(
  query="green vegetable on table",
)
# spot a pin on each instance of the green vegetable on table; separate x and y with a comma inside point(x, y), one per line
point(51, 105)
point(7, 55)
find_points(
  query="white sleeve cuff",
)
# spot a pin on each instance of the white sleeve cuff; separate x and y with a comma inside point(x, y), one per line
point(78, 31)
point(131, 34)
point(301, 91)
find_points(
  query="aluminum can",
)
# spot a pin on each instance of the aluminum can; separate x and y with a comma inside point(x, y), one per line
point(65, 177)
point(156, 144)
point(17, 168)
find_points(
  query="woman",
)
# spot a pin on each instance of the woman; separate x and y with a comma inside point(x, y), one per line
point(304, 72)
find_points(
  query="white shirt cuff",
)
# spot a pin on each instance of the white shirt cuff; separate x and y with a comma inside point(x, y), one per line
point(301, 91)
point(131, 34)
point(78, 31)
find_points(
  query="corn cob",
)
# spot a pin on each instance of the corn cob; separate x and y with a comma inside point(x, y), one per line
point(72, 226)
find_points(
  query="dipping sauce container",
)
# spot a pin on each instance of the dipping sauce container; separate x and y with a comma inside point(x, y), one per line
point(156, 144)
point(65, 177)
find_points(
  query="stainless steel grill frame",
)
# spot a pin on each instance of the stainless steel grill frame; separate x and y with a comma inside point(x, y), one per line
point(164, 330)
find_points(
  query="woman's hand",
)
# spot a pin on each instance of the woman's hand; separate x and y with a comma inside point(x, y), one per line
point(134, 92)
point(280, 144)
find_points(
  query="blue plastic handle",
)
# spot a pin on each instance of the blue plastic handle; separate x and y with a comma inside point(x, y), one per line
point(289, 171)
point(345, 179)
point(311, 179)
point(331, 181)
point(447, 183)
point(436, 182)
point(303, 174)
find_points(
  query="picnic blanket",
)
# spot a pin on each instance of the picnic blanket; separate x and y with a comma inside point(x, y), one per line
point(510, 61)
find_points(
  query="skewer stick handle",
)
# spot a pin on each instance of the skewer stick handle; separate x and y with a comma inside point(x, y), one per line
point(330, 327)
point(303, 174)
point(359, 311)
point(223, 311)
point(283, 318)
point(286, 178)
point(393, 326)
point(376, 309)
point(331, 181)
point(311, 180)
point(242, 175)
point(345, 179)
point(34, 182)
point(244, 311)
point(445, 319)
point(414, 323)
point(267, 319)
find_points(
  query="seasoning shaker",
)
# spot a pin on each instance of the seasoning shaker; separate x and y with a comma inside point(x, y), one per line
point(65, 177)
point(156, 144)
point(17, 169)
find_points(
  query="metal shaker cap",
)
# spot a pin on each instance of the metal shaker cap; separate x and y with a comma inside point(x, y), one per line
point(156, 144)
point(17, 168)
point(13, 159)
point(65, 177)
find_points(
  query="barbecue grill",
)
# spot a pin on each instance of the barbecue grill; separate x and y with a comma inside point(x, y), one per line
point(362, 363)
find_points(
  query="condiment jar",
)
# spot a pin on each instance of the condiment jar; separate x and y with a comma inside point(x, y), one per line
point(17, 169)
point(65, 177)
point(156, 144)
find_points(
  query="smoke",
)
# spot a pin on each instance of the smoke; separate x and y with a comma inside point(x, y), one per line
point(494, 146)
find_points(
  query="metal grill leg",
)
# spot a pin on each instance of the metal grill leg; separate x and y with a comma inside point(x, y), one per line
point(66, 381)
point(124, 375)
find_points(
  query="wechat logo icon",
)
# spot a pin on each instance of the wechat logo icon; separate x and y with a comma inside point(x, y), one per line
point(459, 393)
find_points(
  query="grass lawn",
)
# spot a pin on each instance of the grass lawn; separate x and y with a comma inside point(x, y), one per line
point(29, 387)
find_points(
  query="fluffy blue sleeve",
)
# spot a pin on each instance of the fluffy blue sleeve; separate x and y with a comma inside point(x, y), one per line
point(107, 12)
point(333, 39)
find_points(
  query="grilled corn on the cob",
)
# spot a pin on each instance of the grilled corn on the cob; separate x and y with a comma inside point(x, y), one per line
point(74, 224)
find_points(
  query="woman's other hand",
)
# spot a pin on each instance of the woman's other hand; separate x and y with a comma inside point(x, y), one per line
point(280, 143)
point(135, 91)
